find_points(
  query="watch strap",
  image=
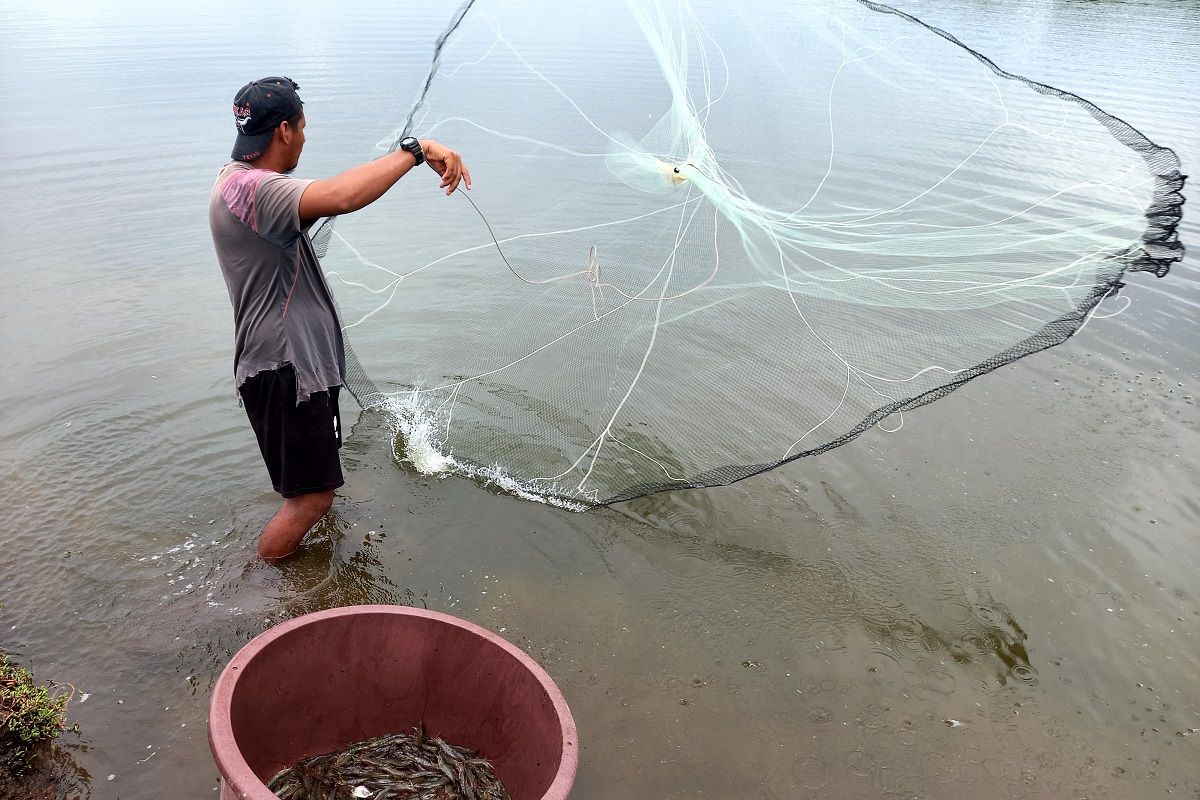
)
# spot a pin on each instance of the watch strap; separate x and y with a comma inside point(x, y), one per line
point(413, 146)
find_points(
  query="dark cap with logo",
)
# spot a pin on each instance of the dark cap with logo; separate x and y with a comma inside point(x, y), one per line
point(257, 111)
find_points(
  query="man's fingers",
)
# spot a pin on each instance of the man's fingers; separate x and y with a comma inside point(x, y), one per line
point(452, 171)
point(460, 172)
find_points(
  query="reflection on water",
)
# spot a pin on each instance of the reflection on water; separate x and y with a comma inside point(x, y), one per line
point(997, 599)
point(53, 773)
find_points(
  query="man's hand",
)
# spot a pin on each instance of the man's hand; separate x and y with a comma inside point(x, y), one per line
point(447, 163)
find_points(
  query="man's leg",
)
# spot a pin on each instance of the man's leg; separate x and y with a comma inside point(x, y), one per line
point(294, 518)
point(299, 443)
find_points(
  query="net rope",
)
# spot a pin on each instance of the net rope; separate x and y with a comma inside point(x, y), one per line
point(700, 247)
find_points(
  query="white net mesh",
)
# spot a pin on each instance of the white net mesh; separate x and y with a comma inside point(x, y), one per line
point(704, 241)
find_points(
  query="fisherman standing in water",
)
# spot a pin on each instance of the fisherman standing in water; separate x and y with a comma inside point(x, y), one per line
point(289, 358)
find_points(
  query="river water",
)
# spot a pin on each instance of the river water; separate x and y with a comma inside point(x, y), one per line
point(997, 600)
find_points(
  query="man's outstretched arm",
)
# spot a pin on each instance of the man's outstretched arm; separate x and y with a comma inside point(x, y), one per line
point(360, 186)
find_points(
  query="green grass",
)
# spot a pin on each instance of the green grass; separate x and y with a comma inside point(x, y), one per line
point(29, 713)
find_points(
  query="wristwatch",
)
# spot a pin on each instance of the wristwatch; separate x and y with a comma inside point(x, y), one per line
point(413, 146)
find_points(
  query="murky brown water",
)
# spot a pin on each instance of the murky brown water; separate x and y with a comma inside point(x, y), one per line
point(1021, 558)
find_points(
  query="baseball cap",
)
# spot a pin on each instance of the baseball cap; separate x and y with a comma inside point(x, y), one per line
point(258, 109)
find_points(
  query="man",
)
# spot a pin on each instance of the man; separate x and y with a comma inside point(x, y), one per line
point(289, 360)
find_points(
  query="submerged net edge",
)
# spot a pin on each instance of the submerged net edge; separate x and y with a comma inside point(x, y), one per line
point(1160, 248)
point(1051, 334)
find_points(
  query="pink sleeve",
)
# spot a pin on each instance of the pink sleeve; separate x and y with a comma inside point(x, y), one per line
point(239, 191)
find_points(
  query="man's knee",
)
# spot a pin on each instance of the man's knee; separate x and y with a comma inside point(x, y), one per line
point(314, 505)
point(321, 503)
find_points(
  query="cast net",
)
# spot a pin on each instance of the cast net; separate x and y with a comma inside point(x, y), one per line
point(704, 241)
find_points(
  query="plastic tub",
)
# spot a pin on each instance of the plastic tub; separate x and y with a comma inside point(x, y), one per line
point(321, 681)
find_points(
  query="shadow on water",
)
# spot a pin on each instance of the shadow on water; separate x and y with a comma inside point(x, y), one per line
point(826, 599)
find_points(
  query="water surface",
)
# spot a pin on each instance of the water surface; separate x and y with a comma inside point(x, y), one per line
point(1020, 558)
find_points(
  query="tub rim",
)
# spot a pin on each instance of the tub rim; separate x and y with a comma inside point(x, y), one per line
point(242, 780)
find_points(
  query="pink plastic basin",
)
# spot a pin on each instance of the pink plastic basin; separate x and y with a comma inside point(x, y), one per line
point(319, 682)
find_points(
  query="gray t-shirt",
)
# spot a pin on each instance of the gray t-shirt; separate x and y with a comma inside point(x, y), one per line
point(283, 312)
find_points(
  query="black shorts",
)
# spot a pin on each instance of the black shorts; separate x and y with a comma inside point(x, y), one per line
point(299, 442)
